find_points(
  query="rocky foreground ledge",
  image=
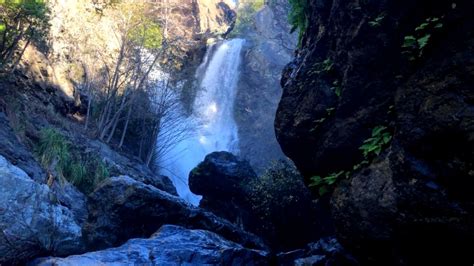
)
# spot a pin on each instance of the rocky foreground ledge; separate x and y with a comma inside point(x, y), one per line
point(171, 245)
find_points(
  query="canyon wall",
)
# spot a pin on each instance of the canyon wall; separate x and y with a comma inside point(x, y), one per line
point(393, 80)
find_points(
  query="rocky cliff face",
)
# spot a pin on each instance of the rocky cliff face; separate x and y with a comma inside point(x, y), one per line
point(407, 66)
point(94, 25)
point(269, 47)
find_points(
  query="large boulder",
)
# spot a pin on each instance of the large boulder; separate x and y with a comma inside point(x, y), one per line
point(70, 197)
point(31, 222)
point(122, 208)
point(222, 179)
point(391, 212)
point(171, 245)
point(276, 206)
point(356, 70)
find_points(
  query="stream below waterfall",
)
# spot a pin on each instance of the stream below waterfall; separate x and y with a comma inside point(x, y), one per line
point(212, 118)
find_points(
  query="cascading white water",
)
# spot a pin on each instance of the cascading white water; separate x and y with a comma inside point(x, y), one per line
point(212, 116)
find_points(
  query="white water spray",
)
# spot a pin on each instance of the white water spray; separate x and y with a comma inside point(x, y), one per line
point(213, 111)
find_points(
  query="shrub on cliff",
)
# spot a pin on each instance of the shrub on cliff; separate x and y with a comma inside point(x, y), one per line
point(61, 161)
point(298, 16)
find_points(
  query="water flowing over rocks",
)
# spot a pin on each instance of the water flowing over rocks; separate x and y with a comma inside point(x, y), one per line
point(212, 121)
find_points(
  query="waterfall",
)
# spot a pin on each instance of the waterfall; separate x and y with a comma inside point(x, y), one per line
point(212, 117)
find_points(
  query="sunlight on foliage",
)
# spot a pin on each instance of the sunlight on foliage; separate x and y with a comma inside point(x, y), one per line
point(245, 15)
point(147, 33)
point(26, 20)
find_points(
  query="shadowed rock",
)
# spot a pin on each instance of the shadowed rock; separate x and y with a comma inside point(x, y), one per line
point(123, 208)
point(412, 204)
point(171, 245)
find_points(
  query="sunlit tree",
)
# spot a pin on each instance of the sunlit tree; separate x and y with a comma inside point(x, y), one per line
point(21, 22)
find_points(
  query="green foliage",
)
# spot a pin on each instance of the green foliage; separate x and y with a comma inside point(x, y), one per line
point(377, 22)
point(53, 151)
point(371, 148)
point(323, 183)
point(147, 34)
point(325, 66)
point(336, 87)
point(298, 17)
point(245, 15)
point(84, 171)
point(21, 20)
point(373, 145)
point(414, 45)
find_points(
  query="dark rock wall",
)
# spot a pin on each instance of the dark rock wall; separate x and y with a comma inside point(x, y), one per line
point(412, 204)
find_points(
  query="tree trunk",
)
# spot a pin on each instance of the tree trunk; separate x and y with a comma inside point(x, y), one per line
point(88, 114)
point(20, 56)
point(125, 127)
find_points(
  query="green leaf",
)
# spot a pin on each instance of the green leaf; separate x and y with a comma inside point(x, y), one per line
point(323, 190)
point(423, 41)
point(316, 181)
point(422, 26)
point(409, 41)
point(377, 130)
point(331, 179)
point(338, 91)
point(439, 26)
point(373, 148)
point(370, 140)
point(387, 138)
point(365, 147)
